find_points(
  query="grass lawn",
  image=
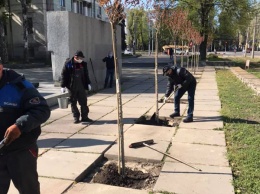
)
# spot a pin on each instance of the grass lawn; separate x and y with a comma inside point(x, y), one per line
point(255, 71)
point(241, 116)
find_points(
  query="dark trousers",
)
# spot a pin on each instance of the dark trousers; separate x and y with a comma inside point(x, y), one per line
point(21, 167)
point(191, 93)
point(80, 97)
point(109, 76)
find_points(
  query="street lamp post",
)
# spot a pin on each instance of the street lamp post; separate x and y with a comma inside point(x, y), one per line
point(253, 44)
point(149, 46)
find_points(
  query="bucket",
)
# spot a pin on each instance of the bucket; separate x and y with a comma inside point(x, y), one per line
point(63, 102)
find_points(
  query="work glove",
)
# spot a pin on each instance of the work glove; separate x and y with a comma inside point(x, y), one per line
point(63, 90)
point(165, 99)
point(179, 86)
point(89, 87)
point(11, 134)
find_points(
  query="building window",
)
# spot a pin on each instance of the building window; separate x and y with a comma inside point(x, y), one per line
point(30, 26)
point(80, 8)
point(99, 12)
point(49, 5)
point(62, 3)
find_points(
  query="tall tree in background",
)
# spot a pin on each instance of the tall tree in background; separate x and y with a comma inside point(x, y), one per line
point(174, 20)
point(137, 25)
point(202, 14)
point(123, 38)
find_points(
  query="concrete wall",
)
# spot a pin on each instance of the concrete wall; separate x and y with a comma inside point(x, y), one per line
point(68, 32)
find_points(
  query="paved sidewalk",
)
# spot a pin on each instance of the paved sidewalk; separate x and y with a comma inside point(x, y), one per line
point(69, 151)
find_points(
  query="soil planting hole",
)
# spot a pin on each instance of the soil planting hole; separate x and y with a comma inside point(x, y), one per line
point(137, 175)
point(163, 121)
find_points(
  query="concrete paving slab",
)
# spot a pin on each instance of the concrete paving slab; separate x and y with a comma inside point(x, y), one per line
point(100, 110)
point(107, 102)
point(98, 128)
point(58, 113)
point(142, 154)
point(198, 154)
point(160, 135)
point(143, 104)
point(95, 188)
point(47, 186)
point(207, 102)
point(49, 140)
point(204, 107)
point(181, 179)
point(209, 85)
point(211, 115)
point(86, 143)
point(139, 99)
point(65, 165)
point(63, 125)
point(206, 122)
point(203, 97)
point(197, 136)
point(134, 110)
point(167, 109)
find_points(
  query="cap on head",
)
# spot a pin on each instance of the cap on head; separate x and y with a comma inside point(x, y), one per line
point(79, 54)
point(165, 69)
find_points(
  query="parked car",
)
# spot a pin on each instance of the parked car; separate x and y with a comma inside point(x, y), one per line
point(248, 50)
point(128, 52)
point(179, 51)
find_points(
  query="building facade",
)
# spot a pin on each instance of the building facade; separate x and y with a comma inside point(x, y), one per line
point(37, 23)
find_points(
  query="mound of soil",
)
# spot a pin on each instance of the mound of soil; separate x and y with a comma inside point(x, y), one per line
point(137, 175)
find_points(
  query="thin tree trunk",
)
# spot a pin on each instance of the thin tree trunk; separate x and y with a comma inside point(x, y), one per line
point(175, 57)
point(156, 77)
point(121, 154)
point(182, 53)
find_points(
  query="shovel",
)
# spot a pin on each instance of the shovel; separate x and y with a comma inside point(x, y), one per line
point(154, 114)
point(2, 143)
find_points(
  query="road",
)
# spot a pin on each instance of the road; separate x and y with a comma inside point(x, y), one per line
point(237, 54)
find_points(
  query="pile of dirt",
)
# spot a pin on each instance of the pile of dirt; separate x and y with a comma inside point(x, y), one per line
point(137, 175)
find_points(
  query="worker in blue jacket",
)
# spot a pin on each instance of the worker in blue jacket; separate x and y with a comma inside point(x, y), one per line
point(22, 111)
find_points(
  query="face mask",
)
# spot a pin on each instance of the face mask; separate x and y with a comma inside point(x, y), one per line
point(78, 60)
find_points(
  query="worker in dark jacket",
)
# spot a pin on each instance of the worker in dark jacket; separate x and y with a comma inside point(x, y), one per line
point(183, 81)
point(75, 78)
point(22, 111)
point(110, 65)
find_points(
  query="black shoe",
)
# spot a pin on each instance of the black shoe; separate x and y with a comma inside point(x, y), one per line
point(175, 114)
point(76, 120)
point(88, 120)
point(188, 120)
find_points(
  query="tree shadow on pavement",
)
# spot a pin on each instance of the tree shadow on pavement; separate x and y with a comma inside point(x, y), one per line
point(61, 143)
